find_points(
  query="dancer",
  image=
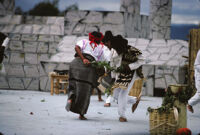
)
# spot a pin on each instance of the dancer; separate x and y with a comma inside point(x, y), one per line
point(126, 57)
point(82, 76)
point(196, 98)
point(4, 40)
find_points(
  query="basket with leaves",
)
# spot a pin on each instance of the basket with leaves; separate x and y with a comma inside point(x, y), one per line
point(162, 119)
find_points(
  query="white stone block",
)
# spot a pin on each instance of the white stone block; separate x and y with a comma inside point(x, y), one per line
point(37, 28)
point(29, 37)
point(43, 57)
point(26, 82)
point(42, 47)
point(56, 30)
point(75, 16)
point(45, 30)
point(170, 80)
point(27, 29)
point(171, 42)
point(31, 58)
point(5, 19)
point(14, 36)
point(16, 83)
point(34, 84)
point(160, 83)
point(51, 20)
point(94, 18)
point(52, 47)
point(163, 50)
point(17, 29)
point(43, 83)
point(15, 45)
point(158, 43)
point(165, 57)
point(79, 29)
point(31, 71)
point(156, 62)
point(3, 83)
point(116, 29)
point(114, 18)
point(175, 49)
point(142, 42)
point(173, 62)
point(8, 28)
point(183, 43)
point(46, 38)
point(90, 28)
point(17, 58)
point(16, 19)
point(30, 46)
point(16, 70)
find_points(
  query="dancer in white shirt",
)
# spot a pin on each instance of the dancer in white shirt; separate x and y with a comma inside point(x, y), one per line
point(196, 98)
point(82, 76)
point(124, 56)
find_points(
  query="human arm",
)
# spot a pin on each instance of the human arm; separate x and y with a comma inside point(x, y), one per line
point(197, 62)
point(78, 51)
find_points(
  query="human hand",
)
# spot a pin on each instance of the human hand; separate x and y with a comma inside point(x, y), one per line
point(86, 61)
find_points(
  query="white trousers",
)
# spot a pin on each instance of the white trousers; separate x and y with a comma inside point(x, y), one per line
point(108, 98)
point(196, 98)
point(123, 98)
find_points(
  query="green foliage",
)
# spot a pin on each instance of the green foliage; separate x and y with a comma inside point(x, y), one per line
point(108, 90)
point(168, 101)
point(45, 8)
point(103, 64)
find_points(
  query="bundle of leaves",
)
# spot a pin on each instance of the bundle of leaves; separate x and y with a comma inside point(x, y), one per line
point(104, 64)
point(168, 101)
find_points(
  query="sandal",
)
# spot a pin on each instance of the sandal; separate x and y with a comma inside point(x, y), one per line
point(107, 105)
point(82, 117)
point(122, 119)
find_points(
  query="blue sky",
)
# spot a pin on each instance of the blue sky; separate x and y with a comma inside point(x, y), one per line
point(183, 11)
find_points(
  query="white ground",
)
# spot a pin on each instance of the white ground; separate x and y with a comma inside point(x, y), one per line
point(39, 113)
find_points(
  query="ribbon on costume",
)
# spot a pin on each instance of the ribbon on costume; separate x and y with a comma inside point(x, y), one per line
point(94, 39)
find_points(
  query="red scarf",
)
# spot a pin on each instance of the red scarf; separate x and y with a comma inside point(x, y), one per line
point(94, 39)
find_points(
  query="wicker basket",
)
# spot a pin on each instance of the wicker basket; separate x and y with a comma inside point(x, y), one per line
point(163, 123)
point(137, 88)
point(175, 88)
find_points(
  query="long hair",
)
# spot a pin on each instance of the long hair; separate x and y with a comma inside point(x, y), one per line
point(120, 44)
point(107, 36)
point(96, 37)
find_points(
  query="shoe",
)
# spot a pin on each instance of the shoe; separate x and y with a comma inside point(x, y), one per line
point(100, 100)
point(82, 117)
point(122, 119)
point(107, 105)
point(134, 106)
point(68, 105)
point(190, 108)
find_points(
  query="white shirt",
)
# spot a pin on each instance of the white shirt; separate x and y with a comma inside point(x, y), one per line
point(197, 62)
point(100, 52)
point(5, 42)
point(115, 61)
